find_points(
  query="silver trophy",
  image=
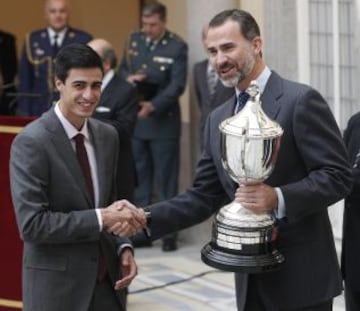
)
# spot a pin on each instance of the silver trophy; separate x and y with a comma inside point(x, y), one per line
point(241, 239)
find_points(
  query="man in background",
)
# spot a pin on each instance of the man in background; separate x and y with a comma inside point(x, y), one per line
point(155, 61)
point(8, 69)
point(36, 86)
point(118, 106)
point(209, 90)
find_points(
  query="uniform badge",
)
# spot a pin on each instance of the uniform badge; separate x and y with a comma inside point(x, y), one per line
point(39, 52)
point(71, 34)
point(164, 42)
point(134, 44)
point(43, 34)
point(163, 60)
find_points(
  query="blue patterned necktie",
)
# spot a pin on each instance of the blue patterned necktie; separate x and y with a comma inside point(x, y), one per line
point(242, 99)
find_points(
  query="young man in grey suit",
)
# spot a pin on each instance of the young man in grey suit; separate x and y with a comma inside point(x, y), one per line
point(63, 181)
point(311, 173)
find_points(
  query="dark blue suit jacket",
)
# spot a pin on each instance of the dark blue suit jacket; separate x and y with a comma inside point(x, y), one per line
point(312, 172)
point(118, 106)
point(8, 69)
point(166, 69)
point(351, 227)
point(36, 86)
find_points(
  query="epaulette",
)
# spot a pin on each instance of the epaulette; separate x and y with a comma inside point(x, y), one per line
point(176, 37)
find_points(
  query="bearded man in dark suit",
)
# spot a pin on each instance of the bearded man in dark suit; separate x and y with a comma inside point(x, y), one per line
point(312, 172)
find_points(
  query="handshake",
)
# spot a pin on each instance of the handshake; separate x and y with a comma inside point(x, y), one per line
point(122, 218)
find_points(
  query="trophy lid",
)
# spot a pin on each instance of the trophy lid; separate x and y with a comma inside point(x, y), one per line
point(251, 120)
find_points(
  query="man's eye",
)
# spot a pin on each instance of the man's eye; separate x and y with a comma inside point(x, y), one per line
point(78, 85)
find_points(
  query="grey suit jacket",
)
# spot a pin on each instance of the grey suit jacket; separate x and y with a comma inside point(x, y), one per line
point(312, 172)
point(54, 214)
point(206, 102)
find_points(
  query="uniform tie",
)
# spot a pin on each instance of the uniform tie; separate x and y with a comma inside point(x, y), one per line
point(242, 99)
point(55, 45)
point(84, 163)
point(151, 45)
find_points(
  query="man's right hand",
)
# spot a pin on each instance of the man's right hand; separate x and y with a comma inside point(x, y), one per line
point(122, 218)
point(136, 78)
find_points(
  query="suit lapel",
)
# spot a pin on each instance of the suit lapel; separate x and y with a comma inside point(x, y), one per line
point(271, 96)
point(106, 93)
point(65, 151)
point(99, 145)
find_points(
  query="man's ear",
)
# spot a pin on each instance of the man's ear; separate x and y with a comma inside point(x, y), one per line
point(58, 84)
point(257, 45)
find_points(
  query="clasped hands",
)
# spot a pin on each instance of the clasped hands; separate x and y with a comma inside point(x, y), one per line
point(123, 218)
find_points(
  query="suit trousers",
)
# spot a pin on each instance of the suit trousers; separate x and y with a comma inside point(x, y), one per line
point(254, 301)
point(157, 168)
point(105, 297)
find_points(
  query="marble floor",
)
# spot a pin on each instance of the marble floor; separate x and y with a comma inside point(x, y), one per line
point(204, 288)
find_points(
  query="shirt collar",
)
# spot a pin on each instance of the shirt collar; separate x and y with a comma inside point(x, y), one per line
point(70, 130)
point(261, 80)
point(156, 41)
point(61, 35)
point(107, 78)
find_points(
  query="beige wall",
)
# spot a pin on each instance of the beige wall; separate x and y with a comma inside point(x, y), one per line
point(110, 19)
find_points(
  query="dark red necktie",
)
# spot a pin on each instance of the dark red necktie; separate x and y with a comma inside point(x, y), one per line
point(84, 163)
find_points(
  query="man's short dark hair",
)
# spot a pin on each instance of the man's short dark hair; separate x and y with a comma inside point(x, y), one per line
point(155, 8)
point(75, 55)
point(247, 23)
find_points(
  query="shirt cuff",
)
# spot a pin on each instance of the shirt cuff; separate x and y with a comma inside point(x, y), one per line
point(280, 211)
point(100, 221)
point(125, 245)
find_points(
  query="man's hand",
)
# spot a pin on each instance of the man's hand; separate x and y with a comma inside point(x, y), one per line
point(136, 78)
point(122, 218)
point(127, 267)
point(146, 108)
point(259, 198)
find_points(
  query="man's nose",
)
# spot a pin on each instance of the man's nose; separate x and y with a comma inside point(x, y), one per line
point(88, 93)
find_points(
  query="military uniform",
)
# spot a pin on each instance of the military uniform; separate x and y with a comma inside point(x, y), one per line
point(156, 137)
point(36, 86)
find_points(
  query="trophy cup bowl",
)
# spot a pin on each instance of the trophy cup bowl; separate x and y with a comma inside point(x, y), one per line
point(242, 240)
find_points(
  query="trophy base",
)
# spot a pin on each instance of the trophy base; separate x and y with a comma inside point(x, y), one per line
point(236, 262)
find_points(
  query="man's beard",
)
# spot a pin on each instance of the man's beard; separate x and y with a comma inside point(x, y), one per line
point(240, 75)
